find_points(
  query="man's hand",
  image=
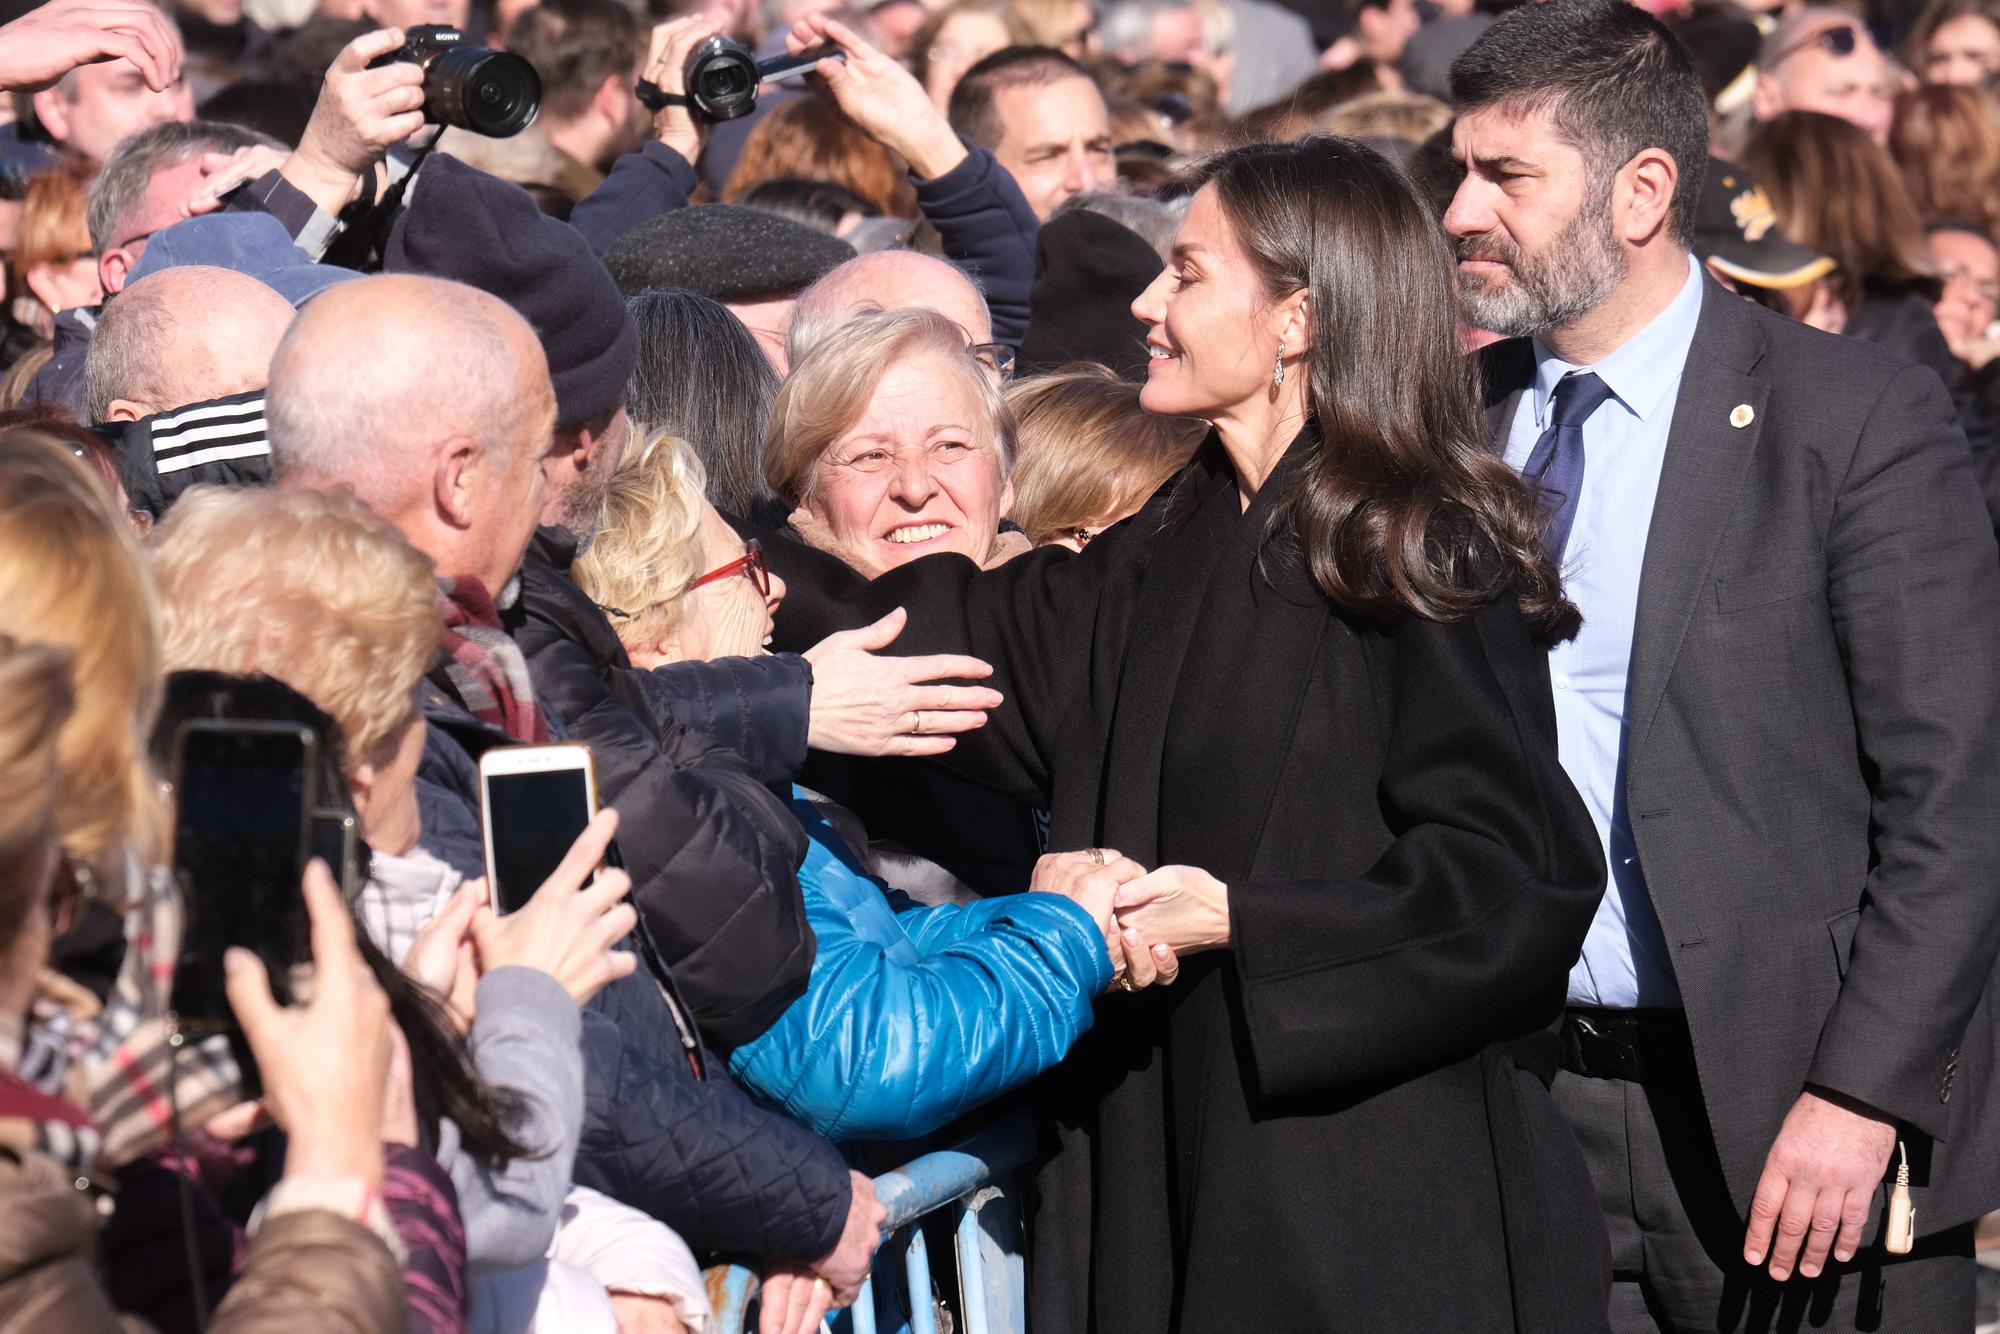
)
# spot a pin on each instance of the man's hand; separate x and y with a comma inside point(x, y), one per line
point(866, 704)
point(223, 172)
point(1090, 879)
point(845, 1267)
point(360, 115)
point(666, 69)
point(881, 97)
point(1818, 1181)
point(48, 42)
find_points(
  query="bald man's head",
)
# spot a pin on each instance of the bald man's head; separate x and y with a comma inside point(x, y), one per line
point(181, 336)
point(431, 399)
point(886, 280)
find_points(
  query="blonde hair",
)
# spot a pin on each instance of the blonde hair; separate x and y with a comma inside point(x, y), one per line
point(35, 702)
point(71, 575)
point(1089, 452)
point(827, 393)
point(645, 556)
point(1408, 116)
point(308, 587)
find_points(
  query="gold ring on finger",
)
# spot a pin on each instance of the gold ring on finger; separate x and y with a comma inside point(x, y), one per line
point(1097, 855)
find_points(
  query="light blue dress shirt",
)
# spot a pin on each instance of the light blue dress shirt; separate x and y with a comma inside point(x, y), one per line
point(1625, 961)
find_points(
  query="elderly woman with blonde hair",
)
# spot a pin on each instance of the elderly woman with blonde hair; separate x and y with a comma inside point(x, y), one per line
point(989, 994)
point(892, 442)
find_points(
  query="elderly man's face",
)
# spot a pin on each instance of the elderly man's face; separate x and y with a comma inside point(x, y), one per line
point(105, 103)
point(520, 488)
point(918, 474)
point(1859, 86)
point(159, 209)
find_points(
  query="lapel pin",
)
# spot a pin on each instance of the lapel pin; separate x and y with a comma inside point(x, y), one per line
point(1741, 415)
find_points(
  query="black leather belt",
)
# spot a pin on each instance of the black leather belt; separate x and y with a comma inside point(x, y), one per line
point(1633, 1045)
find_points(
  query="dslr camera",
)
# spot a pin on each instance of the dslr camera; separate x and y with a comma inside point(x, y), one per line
point(722, 76)
point(494, 93)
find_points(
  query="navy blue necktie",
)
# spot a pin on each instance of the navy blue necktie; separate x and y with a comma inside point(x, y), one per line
point(1556, 464)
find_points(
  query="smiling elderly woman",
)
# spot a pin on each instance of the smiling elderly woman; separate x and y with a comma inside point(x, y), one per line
point(893, 443)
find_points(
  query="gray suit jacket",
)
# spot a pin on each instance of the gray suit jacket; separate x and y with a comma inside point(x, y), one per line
point(1814, 740)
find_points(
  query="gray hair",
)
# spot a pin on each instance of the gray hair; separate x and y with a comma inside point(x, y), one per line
point(702, 378)
point(1154, 220)
point(128, 171)
point(816, 314)
point(123, 360)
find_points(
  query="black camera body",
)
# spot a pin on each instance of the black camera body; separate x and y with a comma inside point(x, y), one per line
point(722, 76)
point(494, 93)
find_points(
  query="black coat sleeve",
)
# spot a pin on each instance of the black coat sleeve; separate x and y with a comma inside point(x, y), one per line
point(761, 708)
point(639, 186)
point(697, 1154)
point(985, 226)
point(1463, 932)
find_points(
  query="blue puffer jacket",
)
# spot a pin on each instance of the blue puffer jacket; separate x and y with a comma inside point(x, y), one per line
point(913, 1015)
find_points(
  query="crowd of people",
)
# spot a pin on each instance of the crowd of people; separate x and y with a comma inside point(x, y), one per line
point(1382, 615)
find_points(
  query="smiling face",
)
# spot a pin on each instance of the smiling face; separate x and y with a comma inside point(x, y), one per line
point(1206, 317)
point(1536, 243)
point(917, 474)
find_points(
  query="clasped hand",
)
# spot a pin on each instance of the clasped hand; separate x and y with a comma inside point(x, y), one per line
point(1149, 919)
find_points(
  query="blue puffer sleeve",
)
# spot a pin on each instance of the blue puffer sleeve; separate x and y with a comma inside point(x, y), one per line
point(899, 1035)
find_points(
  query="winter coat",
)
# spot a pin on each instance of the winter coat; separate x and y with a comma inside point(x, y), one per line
point(713, 853)
point(916, 1015)
point(666, 1132)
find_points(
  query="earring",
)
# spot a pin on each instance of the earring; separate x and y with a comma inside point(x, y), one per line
point(1278, 369)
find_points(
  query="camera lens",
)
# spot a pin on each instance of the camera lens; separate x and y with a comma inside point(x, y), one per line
point(494, 93)
point(722, 79)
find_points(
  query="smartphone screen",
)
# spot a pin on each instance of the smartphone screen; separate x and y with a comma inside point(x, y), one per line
point(240, 831)
point(532, 819)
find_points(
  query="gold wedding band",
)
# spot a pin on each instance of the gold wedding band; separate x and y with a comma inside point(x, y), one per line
point(1097, 855)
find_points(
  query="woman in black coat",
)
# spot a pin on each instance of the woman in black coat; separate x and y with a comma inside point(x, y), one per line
point(1307, 684)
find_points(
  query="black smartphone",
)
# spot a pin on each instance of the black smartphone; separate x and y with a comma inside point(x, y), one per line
point(336, 840)
point(534, 801)
point(242, 798)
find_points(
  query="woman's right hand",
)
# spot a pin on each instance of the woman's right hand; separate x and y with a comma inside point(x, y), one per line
point(325, 1064)
point(570, 927)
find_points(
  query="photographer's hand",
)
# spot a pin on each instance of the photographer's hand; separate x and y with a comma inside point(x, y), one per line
point(48, 42)
point(881, 97)
point(360, 115)
point(666, 69)
point(325, 1063)
point(571, 927)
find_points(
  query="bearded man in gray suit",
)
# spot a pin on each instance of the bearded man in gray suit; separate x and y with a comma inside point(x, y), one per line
point(1783, 711)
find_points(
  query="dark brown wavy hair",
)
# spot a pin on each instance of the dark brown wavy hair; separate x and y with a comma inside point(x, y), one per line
point(1406, 508)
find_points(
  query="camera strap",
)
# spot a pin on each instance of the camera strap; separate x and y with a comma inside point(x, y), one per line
point(656, 99)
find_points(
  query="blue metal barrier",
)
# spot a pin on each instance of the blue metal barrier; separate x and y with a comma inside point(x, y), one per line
point(968, 1179)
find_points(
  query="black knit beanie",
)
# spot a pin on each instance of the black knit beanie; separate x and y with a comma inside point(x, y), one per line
point(1088, 271)
point(476, 229)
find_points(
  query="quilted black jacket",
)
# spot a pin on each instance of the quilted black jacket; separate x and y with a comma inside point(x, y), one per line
point(694, 1151)
point(714, 854)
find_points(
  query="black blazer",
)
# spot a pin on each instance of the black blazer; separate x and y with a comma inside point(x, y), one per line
point(1325, 1126)
point(1813, 716)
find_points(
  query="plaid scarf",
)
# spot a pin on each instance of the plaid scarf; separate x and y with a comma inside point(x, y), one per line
point(486, 668)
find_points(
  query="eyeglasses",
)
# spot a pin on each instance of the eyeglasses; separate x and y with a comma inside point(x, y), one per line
point(995, 357)
point(750, 563)
point(1837, 42)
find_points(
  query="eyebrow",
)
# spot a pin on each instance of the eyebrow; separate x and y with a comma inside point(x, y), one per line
point(1497, 162)
point(1183, 249)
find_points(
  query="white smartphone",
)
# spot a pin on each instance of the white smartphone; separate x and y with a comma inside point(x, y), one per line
point(534, 801)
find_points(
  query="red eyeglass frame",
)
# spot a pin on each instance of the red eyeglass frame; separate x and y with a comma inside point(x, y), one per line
point(751, 563)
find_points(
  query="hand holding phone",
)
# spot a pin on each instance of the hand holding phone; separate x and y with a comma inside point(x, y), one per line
point(570, 926)
point(534, 803)
point(325, 1063)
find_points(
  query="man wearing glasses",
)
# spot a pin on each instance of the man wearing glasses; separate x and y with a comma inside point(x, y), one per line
point(1824, 60)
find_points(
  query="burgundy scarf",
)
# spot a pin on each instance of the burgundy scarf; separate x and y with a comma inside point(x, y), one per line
point(485, 666)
